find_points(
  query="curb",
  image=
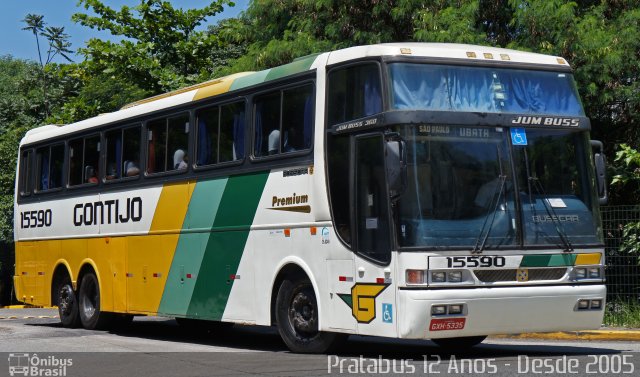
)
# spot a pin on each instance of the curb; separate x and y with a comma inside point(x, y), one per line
point(604, 335)
point(27, 307)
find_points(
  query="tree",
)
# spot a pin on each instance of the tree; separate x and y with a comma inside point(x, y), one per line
point(600, 38)
point(58, 45)
point(160, 49)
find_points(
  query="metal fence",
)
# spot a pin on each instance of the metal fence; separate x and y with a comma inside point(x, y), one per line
point(623, 268)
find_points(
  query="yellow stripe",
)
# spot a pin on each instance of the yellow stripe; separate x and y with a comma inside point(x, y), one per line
point(586, 259)
point(219, 87)
point(153, 254)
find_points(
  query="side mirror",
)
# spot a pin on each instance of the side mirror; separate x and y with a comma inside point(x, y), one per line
point(396, 164)
point(601, 171)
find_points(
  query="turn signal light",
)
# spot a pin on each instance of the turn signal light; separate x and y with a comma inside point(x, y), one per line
point(415, 276)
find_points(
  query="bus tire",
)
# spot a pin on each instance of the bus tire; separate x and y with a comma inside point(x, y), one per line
point(67, 301)
point(91, 316)
point(297, 319)
point(461, 343)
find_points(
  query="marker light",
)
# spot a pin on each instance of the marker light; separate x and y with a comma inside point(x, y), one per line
point(580, 273)
point(594, 273)
point(454, 276)
point(438, 277)
point(438, 310)
point(415, 276)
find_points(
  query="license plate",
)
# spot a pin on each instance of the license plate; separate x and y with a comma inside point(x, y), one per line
point(443, 324)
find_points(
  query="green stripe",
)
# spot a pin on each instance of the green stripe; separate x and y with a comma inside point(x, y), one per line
point(249, 80)
point(548, 260)
point(224, 249)
point(190, 249)
point(299, 65)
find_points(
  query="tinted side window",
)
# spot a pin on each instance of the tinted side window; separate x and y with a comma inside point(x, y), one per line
point(26, 169)
point(49, 171)
point(220, 134)
point(267, 125)
point(338, 157)
point(123, 153)
point(284, 121)
point(168, 144)
point(84, 157)
point(354, 92)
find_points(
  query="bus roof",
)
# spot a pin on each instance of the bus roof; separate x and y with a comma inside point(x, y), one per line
point(471, 53)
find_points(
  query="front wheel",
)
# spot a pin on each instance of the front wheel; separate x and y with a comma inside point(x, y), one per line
point(459, 344)
point(297, 318)
point(89, 299)
point(67, 304)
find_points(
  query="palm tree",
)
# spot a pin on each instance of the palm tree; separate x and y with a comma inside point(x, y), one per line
point(58, 45)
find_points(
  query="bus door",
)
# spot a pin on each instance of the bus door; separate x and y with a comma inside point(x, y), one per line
point(373, 296)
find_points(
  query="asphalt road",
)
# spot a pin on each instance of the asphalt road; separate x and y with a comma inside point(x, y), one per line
point(154, 346)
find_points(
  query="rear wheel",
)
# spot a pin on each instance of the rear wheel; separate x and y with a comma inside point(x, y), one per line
point(462, 343)
point(297, 318)
point(67, 304)
point(91, 316)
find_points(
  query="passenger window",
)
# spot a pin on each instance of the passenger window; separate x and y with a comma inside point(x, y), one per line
point(123, 153)
point(84, 157)
point(26, 170)
point(354, 92)
point(50, 161)
point(168, 144)
point(220, 134)
point(284, 121)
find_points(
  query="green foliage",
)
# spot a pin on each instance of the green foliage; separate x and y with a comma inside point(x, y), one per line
point(21, 108)
point(160, 49)
point(628, 176)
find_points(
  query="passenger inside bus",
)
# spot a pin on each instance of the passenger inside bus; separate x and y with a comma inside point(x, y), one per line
point(274, 142)
point(90, 174)
point(179, 160)
point(131, 168)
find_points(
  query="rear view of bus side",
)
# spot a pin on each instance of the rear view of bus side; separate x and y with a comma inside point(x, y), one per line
point(423, 191)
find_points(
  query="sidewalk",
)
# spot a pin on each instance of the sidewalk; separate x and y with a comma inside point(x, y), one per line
point(604, 334)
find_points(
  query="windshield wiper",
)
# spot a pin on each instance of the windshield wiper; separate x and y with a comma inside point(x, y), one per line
point(551, 213)
point(481, 241)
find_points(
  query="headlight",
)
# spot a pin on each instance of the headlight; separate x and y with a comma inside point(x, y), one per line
point(455, 309)
point(583, 304)
point(438, 277)
point(594, 273)
point(439, 310)
point(580, 273)
point(455, 276)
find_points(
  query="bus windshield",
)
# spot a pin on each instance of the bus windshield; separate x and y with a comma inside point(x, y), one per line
point(462, 191)
point(482, 89)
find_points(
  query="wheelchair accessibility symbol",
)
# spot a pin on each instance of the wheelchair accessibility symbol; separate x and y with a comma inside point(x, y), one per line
point(518, 136)
point(387, 313)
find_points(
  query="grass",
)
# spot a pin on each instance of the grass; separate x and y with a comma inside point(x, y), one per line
point(622, 314)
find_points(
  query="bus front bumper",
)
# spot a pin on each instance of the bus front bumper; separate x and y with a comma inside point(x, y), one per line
point(499, 310)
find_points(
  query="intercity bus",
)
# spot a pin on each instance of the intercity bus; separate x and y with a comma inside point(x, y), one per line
point(416, 191)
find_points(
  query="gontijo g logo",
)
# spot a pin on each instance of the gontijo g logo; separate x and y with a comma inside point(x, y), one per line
point(362, 300)
point(32, 365)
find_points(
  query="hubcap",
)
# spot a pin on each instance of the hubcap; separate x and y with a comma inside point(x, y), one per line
point(66, 299)
point(89, 303)
point(302, 314)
